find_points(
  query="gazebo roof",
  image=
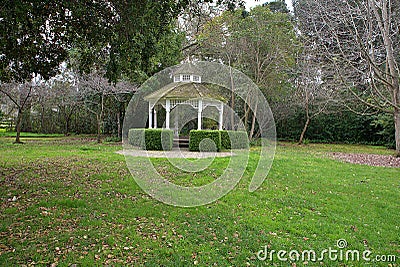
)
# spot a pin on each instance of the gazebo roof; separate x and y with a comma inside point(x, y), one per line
point(187, 68)
point(185, 90)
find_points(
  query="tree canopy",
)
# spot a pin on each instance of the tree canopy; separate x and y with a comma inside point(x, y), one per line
point(261, 43)
point(124, 36)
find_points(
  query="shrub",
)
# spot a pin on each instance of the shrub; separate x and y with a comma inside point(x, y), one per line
point(112, 139)
point(204, 140)
point(386, 131)
point(338, 127)
point(234, 140)
point(136, 137)
point(151, 139)
point(159, 139)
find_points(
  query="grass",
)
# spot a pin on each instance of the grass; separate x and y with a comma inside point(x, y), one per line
point(76, 203)
point(4, 133)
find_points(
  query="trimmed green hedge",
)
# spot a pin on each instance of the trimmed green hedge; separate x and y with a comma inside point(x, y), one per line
point(234, 140)
point(136, 137)
point(197, 136)
point(155, 139)
point(159, 139)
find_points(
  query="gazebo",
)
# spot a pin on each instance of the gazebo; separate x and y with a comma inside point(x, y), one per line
point(186, 89)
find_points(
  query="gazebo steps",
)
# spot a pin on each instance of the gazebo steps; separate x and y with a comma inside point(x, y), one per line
point(181, 142)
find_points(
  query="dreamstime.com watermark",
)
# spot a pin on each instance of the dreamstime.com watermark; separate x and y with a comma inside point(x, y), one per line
point(339, 253)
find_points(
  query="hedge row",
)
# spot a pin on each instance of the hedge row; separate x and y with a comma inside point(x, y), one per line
point(204, 140)
point(339, 127)
point(200, 140)
point(151, 139)
point(218, 140)
point(136, 137)
point(234, 140)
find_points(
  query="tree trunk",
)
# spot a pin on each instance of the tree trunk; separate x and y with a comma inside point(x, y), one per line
point(18, 127)
point(26, 122)
point(397, 130)
point(98, 129)
point(384, 24)
point(307, 110)
point(232, 103)
point(233, 108)
point(42, 119)
point(119, 130)
point(304, 130)
point(246, 112)
point(253, 121)
point(67, 121)
point(100, 120)
point(232, 95)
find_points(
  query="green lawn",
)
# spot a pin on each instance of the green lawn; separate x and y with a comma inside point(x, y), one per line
point(4, 133)
point(76, 203)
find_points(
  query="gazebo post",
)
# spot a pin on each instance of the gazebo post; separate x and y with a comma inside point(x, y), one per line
point(176, 126)
point(221, 113)
point(150, 115)
point(199, 111)
point(167, 110)
point(155, 118)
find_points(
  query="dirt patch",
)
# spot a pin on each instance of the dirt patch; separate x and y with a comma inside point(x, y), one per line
point(368, 159)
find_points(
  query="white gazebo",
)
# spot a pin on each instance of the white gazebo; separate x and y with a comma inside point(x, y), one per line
point(187, 88)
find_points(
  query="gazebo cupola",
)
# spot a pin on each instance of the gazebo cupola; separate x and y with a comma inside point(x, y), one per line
point(187, 73)
point(186, 89)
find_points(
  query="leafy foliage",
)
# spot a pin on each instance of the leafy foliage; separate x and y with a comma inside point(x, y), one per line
point(158, 139)
point(234, 140)
point(151, 139)
point(136, 137)
point(277, 6)
point(339, 127)
point(262, 44)
point(387, 132)
point(36, 35)
point(124, 37)
point(204, 140)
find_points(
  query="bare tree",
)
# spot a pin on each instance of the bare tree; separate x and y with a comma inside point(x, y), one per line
point(359, 45)
point(20, 95)
point(63, 97)
point(312, 94)
point(95, 92)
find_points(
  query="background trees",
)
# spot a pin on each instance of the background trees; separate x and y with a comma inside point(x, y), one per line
point(312, 94)
point(20, 96)
point(125, 40)
point(37, 36)
point(358, 43)
point(305, 63)
point(260, 43)
point(98, 96)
